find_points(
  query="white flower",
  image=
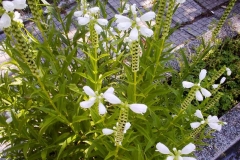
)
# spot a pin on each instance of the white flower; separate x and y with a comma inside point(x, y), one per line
point(138, 24)
point(229, 72)
point(19, 4)
point(223, 79)
point(94, 10)
point(108, 95)
point(5, 21)
point(204, 92)
point(8, 6)
point(17, 16)
point(212, 121)
point(107, 131)
point(83, 20)
point(9, 117)
point(138, 108)
point(78, 13)
point(180, 1)
point(176, 154)
point(86, 15)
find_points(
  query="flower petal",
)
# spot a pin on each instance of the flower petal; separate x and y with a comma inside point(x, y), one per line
point(133, 9)
point(121, 19)
point(9, 120)
point(146, 31)
point(5, 21)
point(229, 72)
point(134, 34)
point(198, 114)
point(189, 158)
point(195, 125)
point(148, 16)
point(124, 26)
point(187, 84)
point(215, 126)
point(8, 6)
point(170, 158)
point(212, 119)
point(78, 13)
point(188, 148)
point(138, 108)
point(202, 74)
point(19, 4)
point(88, 103)
point(127, 126)
point(111, 98)
point(94, 10)
point(162, 148)
point(215, 86)
point(205, 92)
point(102, 21)
point(89, 91)
point(110, 90)
point(98, 29)
point(199, 96)
point(83, 20)
point(223, 79)
point(101, 109)
point(107, 131)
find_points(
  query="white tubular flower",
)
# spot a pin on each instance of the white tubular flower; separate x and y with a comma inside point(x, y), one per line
point(5, 21)
point(229, 72)
point(78, 13)
point(8, 6)
point(108, 95)
point(204, 92)
point(86, 15)
point(212, 121)
point(19, 4)
point(17, 16)
point(127, 126)
point(180, 1)
point(176, 154)
point(107, 131)
point(98, 29)
point(9, 117)
point(83, 20)
point(138, 108)
point(223, 79)
point(138, 24)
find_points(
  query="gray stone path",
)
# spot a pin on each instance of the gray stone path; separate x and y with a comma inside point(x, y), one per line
point(196, 18)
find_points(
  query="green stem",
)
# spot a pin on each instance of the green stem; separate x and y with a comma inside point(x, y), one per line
point(134, 86)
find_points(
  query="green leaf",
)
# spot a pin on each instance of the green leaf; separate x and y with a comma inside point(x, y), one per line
point(46, 123)
point(74, 88)
point(80, 119)
point(64, 145)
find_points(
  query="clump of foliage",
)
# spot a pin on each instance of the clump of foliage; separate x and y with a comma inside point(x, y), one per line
point(101, 92)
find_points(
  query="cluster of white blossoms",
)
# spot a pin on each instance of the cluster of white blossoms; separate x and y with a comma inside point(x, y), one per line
point(204, 92)
point(109, 96)
point(176, 154)
point(108, 131)
point(9, 6)
point(137, 25)
point(85, 15)
point(212, 121)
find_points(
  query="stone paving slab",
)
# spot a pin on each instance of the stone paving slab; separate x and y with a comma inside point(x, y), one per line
point(236, 10)
point(210, 4)
point(179, 37)
point(187, 11)
point(222, 140)
point(201, 26)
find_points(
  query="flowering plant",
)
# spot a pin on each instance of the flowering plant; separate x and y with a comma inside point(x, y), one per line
point(65, 93)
